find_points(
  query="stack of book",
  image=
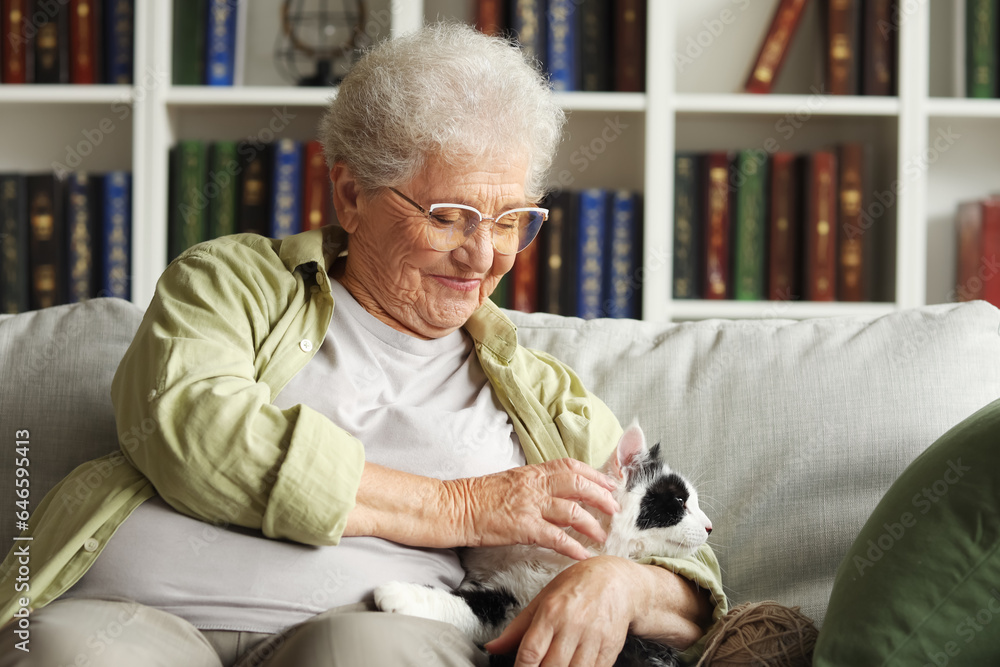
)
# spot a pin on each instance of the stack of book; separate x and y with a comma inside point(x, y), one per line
point(586, 261)
point(783, 226)
point(982, 48)
point(224, 187)
point(208, 42)
point(978, 224)
point(64, 241)
point(67, 41)
point(589, 45)
point(859, 44)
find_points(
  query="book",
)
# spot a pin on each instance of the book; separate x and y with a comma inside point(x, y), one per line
point(255, 188)
point(981, 48)
point(189, 205)
point(563, 44)
point(595, 44)
point(501, 293)
point(820, 260)
point(630, 46)
point(188, 53)
point(590, 253)
point(220, 42)
point(286, 202)
point(853, 238)
point(81, 229)
point(222, 189)
point(622, 282)
point(842, 44)
point(990, 251)
point(17, 48)
point(46, 242)
point(524, 283)
point(13, 244)
point(316, 193)
point(116, 246)
point(749, 223)
point(784, 222)
point(83, 41)
point(718, 223)
point(969, 224)
point(557, 266)
point(527, 25)
point(687, 225)
point(52, 45)
point(878, 63)
point(774, 48)
point(119, 27)
point(490, 16)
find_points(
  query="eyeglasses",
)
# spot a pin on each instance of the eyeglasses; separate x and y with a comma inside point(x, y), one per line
point(449, 226)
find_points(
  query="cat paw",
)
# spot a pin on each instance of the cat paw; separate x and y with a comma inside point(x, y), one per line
point(397, 597)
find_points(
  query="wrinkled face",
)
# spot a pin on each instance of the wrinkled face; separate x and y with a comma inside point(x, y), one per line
point(392, 270)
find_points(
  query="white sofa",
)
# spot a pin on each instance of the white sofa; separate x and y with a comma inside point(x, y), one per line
point(791, 431)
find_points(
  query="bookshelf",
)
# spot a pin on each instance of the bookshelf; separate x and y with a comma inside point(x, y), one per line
point(692, 102)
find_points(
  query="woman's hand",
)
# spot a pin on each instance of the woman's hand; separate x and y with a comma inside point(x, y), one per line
point(531, 505)
point(582, 616)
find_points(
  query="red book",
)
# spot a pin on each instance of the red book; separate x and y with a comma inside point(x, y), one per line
point(970, 242)
point(316, 195)
point(853, 236)
point(772, 52)
point(525, 287)
point(990, 272)
point(489, 16)
point(843, 28)
point(15, 42)
point(717, 226)
point(785, 222)
point(630, 46)
point(83, 41)
point(820, 264)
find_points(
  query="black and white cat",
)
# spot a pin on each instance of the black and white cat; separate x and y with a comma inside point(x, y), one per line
point(659, 517)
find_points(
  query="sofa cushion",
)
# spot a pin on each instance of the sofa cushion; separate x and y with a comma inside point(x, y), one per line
point(792, 431)
point(921, 583)
point(56, 367)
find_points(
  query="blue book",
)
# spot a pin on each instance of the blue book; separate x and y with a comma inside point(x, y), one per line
point(563, 40)
point(220, 42)
point(116, 238)
point(590, 265)
point(621, 286)
point(80, 226)
point(527, 24)
point(286, 202)
point(119, 30)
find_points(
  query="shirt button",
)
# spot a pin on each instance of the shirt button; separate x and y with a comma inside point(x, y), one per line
point(91, 544)
point(306, 345)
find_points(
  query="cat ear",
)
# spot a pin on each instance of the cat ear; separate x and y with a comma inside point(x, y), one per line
point(631, 445)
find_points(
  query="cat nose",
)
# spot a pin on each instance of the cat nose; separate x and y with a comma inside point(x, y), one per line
point(708, 529)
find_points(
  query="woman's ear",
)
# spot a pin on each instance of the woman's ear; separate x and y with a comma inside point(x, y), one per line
point(345, 196)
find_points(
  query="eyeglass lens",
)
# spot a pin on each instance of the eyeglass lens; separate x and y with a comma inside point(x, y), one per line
point(512, 232)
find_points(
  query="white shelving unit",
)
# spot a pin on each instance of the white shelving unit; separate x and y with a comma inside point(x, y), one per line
point(696, 63)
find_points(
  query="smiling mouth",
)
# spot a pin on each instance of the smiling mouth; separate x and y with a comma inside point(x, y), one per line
point(460, 284)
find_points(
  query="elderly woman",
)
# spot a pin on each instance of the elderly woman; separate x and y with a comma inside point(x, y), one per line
point(347, 407)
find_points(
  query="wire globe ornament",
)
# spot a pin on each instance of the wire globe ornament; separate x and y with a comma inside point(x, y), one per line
point(319, 40)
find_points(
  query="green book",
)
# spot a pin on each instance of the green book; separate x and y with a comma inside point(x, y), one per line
point(981, 49)
point(687, 228)
point(749, 264)
point(501, 295)
point(222, 189)
point(190, 17)
point(189, 203)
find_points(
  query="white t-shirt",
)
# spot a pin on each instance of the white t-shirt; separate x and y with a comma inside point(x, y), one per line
point(420, 406)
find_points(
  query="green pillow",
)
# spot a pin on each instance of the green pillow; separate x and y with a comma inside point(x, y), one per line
point(921, 583)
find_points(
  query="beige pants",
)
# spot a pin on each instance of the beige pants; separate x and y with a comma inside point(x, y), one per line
point(104, 633)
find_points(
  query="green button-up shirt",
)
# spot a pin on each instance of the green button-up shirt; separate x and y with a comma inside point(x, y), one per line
point(231, 322)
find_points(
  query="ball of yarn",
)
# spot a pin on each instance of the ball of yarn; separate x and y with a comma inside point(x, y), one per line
point(761, 634)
